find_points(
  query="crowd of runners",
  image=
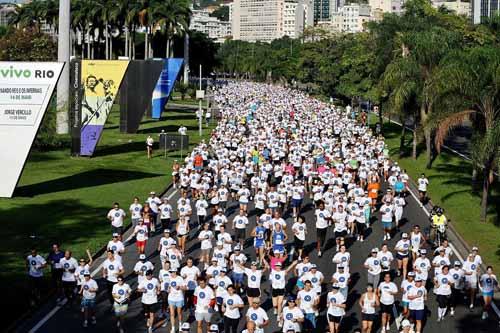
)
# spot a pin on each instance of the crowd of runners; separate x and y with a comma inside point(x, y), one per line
point(275, 154)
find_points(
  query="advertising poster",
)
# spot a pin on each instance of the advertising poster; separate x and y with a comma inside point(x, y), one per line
point(101, 80)
point(25, 92)
point(165, 85)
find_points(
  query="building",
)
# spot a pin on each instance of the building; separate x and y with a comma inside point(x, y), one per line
point(386, 6)
point(323, 10)
point(215, 29)
point(351, 18)
point(481, 9)
point(266, 20)
point(6, 10)
point(459, 7)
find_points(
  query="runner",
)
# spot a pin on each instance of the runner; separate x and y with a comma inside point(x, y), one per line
point(35, 265)
point(205, 302)
point(386, 292)
point(88, 290)
point(487, 284)
point(368, 302)
point(150, 289)
point(121, 294)
point(232, 304)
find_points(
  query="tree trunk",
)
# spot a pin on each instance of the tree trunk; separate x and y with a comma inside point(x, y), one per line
point(167, 53)
point(146, 44)
point(486, 191)
point(402, 139)
point(428, 148)
point(414, 143)
point(106, 38)
point(186, 58)
point(110, 47)
point(126, 42)
point(474, 177)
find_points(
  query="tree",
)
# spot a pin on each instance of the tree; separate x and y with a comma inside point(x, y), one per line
point(173, 17)
point(27, 45)
point(222, 13)
point(472, 77)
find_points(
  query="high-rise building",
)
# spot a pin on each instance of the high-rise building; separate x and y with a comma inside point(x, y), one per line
point(323, 9)
point(459, 7)
point(6, 10)
point(350, 18)
point(266, 20)
point(484, 8)
point(216, 29)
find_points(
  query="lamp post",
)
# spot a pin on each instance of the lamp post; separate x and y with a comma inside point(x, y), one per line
point(63, 54)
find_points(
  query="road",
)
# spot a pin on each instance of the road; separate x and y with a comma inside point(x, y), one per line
point(53, 318)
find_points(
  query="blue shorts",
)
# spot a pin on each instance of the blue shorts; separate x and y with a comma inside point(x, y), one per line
point(237, 278)
point(296, 202)
point(259, 244)
point(309, 320)
point(405, 304)
point(387, 225)
point(488, 293)
point(417, 314)
point(176, 304)
point(278, 248)
point(88, 303)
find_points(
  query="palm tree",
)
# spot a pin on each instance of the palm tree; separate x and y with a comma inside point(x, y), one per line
point(173, 17)
point(29, 15)
point(472, 77)
point(144, 17)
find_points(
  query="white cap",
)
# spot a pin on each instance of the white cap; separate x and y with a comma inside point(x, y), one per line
point(405, 323)
point(142, 256)
point(185, 327)
point(214, 328)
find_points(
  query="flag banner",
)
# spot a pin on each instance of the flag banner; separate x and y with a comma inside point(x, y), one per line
point(101, 80)
point(165, 85)
point(136, 91)
point(25, 92)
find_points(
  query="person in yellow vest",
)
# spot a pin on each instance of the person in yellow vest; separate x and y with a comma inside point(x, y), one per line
point(437, 220)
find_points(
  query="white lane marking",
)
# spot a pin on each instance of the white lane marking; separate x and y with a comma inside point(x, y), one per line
point(47, 317)
point(94, 272)
point(454, 250)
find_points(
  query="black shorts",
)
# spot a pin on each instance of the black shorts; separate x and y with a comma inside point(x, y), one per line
point(117, 230)
point(253, 292)
point(299, 244)
point(259, 211)
point(240, 234)
point(321, 233)
point(57, 274)
point(334, 319)
point(150, 308)
point(278, 292)
point(368, 316)
point(36, 283)
point(402, 256)
point(443, 300)
point(339, 234)
point(386, 308)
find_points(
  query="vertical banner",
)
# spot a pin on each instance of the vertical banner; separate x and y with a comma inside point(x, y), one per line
point(136, 91)
point(75, 102)
point(101, 80)
point(25, 92)
point(165, 84)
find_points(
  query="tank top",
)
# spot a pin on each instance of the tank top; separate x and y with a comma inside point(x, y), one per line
point(259, 238)
point(368, 305)
point(278, 239)
point(183, 228)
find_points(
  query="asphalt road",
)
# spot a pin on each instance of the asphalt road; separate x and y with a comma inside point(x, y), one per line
point(52, 318)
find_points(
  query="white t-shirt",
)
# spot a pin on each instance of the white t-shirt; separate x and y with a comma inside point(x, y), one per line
point(113, 268)
point(35, 265)
point(278, 279)
point(116, 247)
point(289, 315)
point(206, 237)
point(253, 277)
point(321, 218)
point(333, 299)
point(190, 275)
point(419, 302)
point(230, 302)
point(258, 316)
point(423, 264)
point(488, 282)
point(166, 211)
point(307, 299)
point(175, 293)
point(440, 261)
point(122, 291)
point(87, 287)
point(241, 258)
point(422, 184)
point(135, 210)
point(141, 268)
point(149, 296)
point(240, 222)
point(373, 264)
point(68, 265)
point(386, 211)
point(203, 298)
point(443, 284)
point(299, 230)
point(385, 292)
point(141, 233)
point(341, 278)
point(116, 216)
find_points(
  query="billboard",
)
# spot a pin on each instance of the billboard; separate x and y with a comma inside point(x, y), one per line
point(165, 84)
point(25, 92)
point(100, 81)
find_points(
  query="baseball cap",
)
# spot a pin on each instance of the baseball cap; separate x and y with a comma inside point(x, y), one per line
point(223, 270)
point(115, 234)
point(214, 259)
point(185, 327)
point(314, 266)
point(423, 251)
point(152, 192)
point(142, 256)
point(254, 263)
point(457, 263)
point(166, 230)
point(213, 328)
point(335, 286)
point(474, 248)
point(86, 273)
point(411, 273)
point(374, 250)
point(278, 264)
point(404, 235)
point(237, 247)
point(290, 298)
point(149, 272)
point(171, 270)
point(220, 243)
point(405, 323)
point(418, 279)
